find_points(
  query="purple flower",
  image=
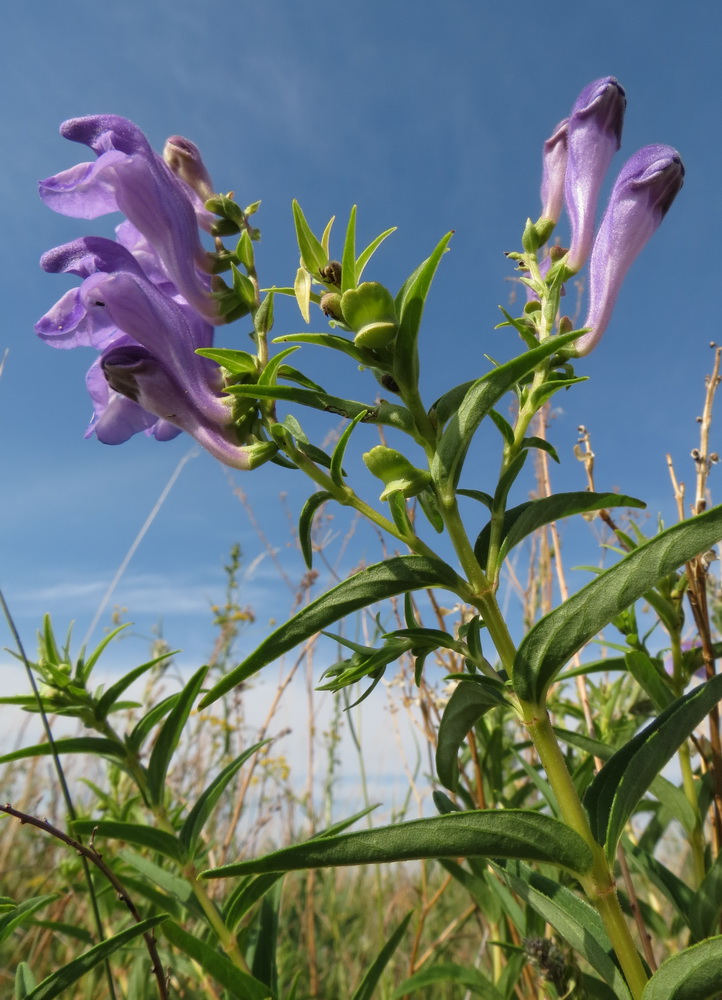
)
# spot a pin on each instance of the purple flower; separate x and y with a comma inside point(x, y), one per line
point(554, 169)
point(142, 384)
point(593, 136)
point(647, 185)
point(129, 176)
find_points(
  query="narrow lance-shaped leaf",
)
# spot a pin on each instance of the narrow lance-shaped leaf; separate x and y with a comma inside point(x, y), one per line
point(574, 919)
point(73, 744)
point(466, 706)
point(59, 981)
point(170, 732)
point(366, 987)
point(348, 258)
point(133, 833)
point(496, 833)
point(409, 307)
point(480, 398)
point(521, 521)
point(313, 254)
point(305, 524)
point(625, 778)
point(397, 575)
point(552, 642)
point(228, 975)
point(692, 974)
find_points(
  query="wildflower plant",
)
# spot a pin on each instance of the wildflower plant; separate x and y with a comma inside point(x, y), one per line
point(149, 303)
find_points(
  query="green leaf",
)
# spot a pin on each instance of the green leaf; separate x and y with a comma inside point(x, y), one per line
point(573, 918)
point(478, 400)
point(24, 982)
point(649, 678)
point(305, 523)
point(160, 885)
point(552, 642)
point(59, 981)
point(74, 744)
point(348, 259)
point(144, 726)
point(170, 733)
point(263, 963)
point(465, 977)
point(133, 833)
point(366, 255)
point(390, 414)
point(370, 980)
point(359, 354)
point(670, 885)
point(409, 308)
point(397, 575)
point(496, 833)
point(668, 794)
point(268, 375)
point(464, 709)
point(245, 895)
point(109, 698)
point(626, 777)
point(340, 450)
point(312, 252)
point(704, 911)
point(692, 974)
point(206, 802)
point(521, 521)
point(215, 963)
point(22, 912)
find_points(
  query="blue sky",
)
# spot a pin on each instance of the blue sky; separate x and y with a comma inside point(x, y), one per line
point(431, 117)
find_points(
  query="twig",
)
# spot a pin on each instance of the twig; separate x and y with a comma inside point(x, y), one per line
point(96, 858)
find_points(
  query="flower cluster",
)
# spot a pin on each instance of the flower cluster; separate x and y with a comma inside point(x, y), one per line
point(145, 301)
point(575, 161)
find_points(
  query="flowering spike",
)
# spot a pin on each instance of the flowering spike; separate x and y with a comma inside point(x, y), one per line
point(594, 135)
point(647, 185)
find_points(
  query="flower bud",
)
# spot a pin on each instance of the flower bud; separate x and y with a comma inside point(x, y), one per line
point(370, 312)
point(396, 472)
point(331, 306)
point(554, 168)
point(184, 159)
point(594, 134)
point(647, 185)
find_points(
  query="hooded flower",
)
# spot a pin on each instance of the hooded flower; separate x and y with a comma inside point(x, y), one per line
point(141, 384)
point(647, 185)
point(594, 135)
point(130, 177)
point(554, 169)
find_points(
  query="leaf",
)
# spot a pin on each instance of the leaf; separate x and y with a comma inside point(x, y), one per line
point(206, 802)
point(478, 400)
point(74, 744)
point(521, 521)
point(332, 340)
point(24, 982)
point(340, 450)
point(312, 252)
point(170, 733)
point(268, 375)
point(263, 965)
point(625, 778)
point(409, 308)
point(692, 974)
point(155, 878)
point(132, 833)
point(109, 698)
point(390, 414)
point(145, 725)
point(704, 911)
point(552, 642)
point(649, 678)
point(496, 833)
point(670, 885)
point(245, 895)
point(305, 523)
point(370, 980)
point(215, 963)
point(302, 291)
point(59, 981)
point(463, 976)
point(573, 918)
point(668, 794)
point(464, 709)
point(21, 912)
point(397, 575)
point(366, 255)
point(348, 258)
